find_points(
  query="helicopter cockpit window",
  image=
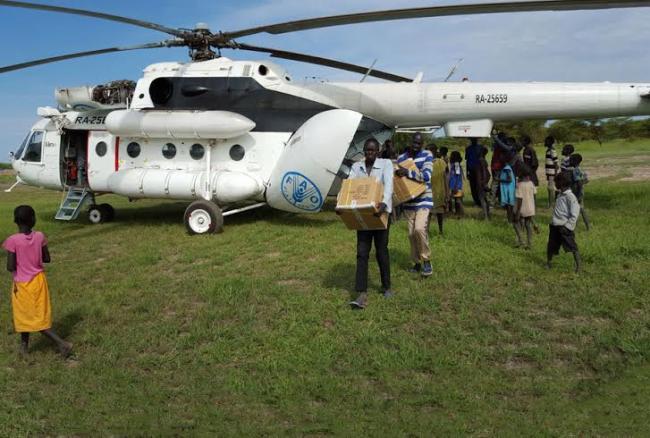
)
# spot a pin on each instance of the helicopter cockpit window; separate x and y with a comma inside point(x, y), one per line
point(133, 149)
point(197, 151)
point(20, 150)
point(237, 152)
point(169, 151)
point(161, 90)
point(101, 148)
point(33, 150)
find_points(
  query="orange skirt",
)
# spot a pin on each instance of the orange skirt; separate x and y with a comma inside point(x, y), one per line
point(30, 302)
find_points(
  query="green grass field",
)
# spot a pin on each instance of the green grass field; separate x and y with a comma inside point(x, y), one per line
point(249, 333)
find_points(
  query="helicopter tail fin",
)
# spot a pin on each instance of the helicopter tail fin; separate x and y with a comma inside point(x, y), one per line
point(310, 161)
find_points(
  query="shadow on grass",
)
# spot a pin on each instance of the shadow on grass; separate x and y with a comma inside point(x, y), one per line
point(172, 214)
point(64, 327)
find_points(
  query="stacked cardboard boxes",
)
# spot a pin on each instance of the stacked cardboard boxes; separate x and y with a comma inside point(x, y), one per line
point(357, 204)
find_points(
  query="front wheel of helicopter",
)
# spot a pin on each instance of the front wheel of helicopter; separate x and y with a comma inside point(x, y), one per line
point(203, 217)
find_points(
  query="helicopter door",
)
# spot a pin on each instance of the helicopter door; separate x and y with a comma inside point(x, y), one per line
point(101, 159)
point(309, 162)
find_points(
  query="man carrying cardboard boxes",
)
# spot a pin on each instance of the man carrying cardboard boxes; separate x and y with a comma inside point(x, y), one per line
point(417, 210)
point(382, 171)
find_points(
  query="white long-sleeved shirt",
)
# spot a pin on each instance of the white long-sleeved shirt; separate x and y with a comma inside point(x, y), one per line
point(382, 171)
point(566, 211)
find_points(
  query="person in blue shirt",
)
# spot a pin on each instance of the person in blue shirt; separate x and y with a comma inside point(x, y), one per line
point(417, 210)
point(382, 170)
point(456, 183)
point(472, 163)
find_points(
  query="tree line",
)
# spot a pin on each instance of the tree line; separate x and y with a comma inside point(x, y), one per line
point(564, 131)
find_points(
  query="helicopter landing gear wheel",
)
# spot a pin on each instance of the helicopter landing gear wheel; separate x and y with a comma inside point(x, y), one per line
point(203, 217)
point(96, 214)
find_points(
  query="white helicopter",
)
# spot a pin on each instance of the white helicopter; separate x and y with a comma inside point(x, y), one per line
point(235, 135)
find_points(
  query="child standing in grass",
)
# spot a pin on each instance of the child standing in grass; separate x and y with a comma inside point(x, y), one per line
point(507, 189)
point(525, 208)
point(456, 183)
point(563, 223)
point(30, 299)
point(567, 150)
point(579, 179)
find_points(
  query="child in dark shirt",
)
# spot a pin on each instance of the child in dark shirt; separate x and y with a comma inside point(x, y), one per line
point(567, 150)
point(456, 183)
point(578, 181)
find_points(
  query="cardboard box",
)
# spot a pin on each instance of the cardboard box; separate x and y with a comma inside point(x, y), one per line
point(357, 204)
point(405, 189)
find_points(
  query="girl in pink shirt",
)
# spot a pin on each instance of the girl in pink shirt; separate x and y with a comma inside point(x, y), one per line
point(30, 297)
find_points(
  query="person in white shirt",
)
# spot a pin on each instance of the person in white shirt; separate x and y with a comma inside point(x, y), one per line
point(563, 223)
point(382, 170)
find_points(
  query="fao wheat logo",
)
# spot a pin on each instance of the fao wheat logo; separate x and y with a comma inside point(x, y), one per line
point(301, 192)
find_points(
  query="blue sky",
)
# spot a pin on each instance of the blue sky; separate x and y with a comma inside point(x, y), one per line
point(570, 46)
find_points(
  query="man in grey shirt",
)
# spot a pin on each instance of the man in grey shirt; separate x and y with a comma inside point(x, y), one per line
point(563, 223)
point(382, 171)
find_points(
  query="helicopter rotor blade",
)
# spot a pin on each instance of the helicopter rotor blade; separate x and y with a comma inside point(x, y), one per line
point(52, 8)
point(166, 43)
point(439, 11)
point(323, 61)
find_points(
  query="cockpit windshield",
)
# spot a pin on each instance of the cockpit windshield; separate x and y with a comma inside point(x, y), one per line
point(20, 150)
point(31, 147)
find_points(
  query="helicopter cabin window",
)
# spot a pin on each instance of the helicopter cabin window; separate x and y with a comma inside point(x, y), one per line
point(197, 151)
point(101, 148)
point(262, 70)
point(169, 151)
point(133, 149)
point(33, 150)
point(237, 152)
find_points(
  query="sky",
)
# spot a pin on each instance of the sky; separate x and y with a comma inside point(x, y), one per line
point(590, 46)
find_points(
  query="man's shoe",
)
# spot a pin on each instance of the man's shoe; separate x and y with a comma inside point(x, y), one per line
point(359, 303)
point(388, 293)
point(416, 268)
point(427, 270)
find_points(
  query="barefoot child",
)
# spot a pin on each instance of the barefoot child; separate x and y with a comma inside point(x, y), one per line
point(30, 299)
point(578, 185)
point(563, 224)
point(456, 183)
point(525, 207)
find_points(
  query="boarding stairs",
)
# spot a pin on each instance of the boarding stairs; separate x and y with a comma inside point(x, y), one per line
point(74, 199)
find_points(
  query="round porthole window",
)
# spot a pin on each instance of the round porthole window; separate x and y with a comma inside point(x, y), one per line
point(101, 148)
point(237, 152)
point(169, 151)
point(133, 149)
point(197, 151)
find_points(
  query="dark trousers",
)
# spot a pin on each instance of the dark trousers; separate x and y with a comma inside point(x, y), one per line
point(364, 243)
point(474, 185)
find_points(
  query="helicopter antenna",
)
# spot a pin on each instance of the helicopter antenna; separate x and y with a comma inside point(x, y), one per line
point(453, 70)
point(369, 70)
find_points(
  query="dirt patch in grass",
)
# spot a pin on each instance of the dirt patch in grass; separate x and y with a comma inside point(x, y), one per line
point(630, 168)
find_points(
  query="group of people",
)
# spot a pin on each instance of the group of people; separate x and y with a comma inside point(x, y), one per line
point(514, 182)
point(510, 181)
